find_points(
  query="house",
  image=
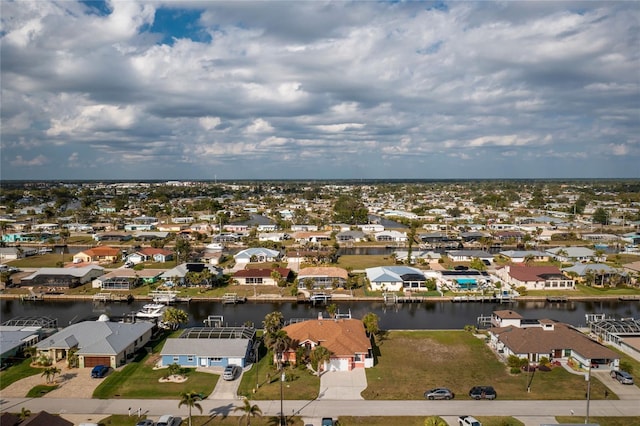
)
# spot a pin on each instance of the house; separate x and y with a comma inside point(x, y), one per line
point(391, 236)
point(177, 275)
point(112, 236)
point(469, 255)
point(273, 236)
point(509, 235)
point(416, 255)
point(346, 339)
point(62, 277)
point(150, 254)
point(521, 256)
point(257, 254)
point(350, 236)
point(20, 333)
point(207, 347)
point(535, 277)
point(464, 280)
point(623, 333)
point(263, 276)
point(102, 254)
point(126, 278)
point(395, 278)
point(535, 339)
point(575, 254)
point(44, 418)
point(100, 342)
point(10, 253)
point(311, 236)
point(598, 274)
point(323, 277)
point(150, 235)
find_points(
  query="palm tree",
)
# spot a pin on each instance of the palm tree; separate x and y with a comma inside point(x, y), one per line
point(49, 374)
point(370, 322)
point(24, 413)
point(248, 411)
point(190, 399)
point(173, 317)
point(273, 322)
point(278, 342)
point(434, 421)
point(319, 356)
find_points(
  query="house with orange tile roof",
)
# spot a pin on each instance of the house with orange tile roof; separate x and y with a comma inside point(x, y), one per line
point(346, 339)
point(535, 277)
point(102, 254)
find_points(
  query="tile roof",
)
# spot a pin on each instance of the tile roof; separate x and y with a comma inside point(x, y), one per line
point(537, 340)
point(343, 337)
point(532, 273)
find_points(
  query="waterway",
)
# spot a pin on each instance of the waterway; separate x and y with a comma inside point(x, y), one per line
point(429, 315)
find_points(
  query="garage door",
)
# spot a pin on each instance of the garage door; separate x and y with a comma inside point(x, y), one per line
point(92, 361)
point(339, 364)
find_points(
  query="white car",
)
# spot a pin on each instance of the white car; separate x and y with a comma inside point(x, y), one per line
point(468, 421)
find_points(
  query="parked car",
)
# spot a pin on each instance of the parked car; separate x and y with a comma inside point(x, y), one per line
point(99, 371)
point(483, 392)
point(327, 421)
point(231, 372)
point(439, 393)
point(169, 420)
point(145, 422)
point(622, 376)
point(468, 421)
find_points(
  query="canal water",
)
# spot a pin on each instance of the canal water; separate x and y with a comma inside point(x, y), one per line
point(419, 316)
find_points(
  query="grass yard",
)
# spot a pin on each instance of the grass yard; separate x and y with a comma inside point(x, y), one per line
point(213, 420)
point(356, 262)
point(17, 372)
point(411, 362)
point(602, 421)
point(300, 384)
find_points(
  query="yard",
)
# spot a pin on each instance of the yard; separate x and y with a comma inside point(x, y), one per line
point(459, 360)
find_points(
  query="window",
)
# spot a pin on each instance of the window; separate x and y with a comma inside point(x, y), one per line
point(190, 358)
point(176, 359)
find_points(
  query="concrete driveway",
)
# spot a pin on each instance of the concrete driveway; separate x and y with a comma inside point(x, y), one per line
point(343, 385)
point(622, 391)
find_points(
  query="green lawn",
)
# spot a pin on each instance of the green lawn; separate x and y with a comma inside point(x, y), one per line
point(300, 383)
point(17, 372)
point(411, 362)
point(602, 421)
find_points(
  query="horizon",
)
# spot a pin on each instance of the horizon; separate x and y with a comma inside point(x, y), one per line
point(136, 90)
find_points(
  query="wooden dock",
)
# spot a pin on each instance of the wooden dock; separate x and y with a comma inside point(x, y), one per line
point(105, 297)
point(232, 299)
point(482, 299)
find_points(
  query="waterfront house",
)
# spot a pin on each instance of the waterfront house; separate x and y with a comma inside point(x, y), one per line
point(209, 347)
point(346, 340)
point(535, 339)
point(469, 255)
point(62, 277)
point(535, 277)
point(126, 278)
point(521, 256)
point(395, 278)
point(322, 277)
point(263, 276)
point(391, 236)
point(100, 342)
point(575, 254)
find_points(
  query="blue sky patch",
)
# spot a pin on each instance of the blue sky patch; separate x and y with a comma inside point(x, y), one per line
point(179, 24)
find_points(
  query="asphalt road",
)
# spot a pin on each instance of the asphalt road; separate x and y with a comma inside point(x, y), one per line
point(335, 408)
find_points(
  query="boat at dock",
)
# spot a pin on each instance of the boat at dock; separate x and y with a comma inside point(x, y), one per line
point(151, 311)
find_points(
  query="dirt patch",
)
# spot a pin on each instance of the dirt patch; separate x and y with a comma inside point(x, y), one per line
point(174, 378)
point(152, 360)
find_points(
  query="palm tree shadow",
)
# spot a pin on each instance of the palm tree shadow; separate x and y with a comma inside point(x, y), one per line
point(222, 411)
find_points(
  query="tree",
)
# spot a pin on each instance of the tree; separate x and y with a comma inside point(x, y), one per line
point(332, 309)
point(183, 249)
point(273, 322)
point(370, 322)
point(24, 413)
point(173, 317)
point(278, 343)
point(319, 356)
point(50, 373)
point(248, 411)
point(190, 399)
point(600, 216)
point(434, 421)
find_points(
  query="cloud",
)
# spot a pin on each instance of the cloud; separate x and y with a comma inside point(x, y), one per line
point(259, 89)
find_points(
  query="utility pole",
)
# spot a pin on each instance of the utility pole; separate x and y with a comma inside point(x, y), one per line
point(588, 379)
point(282, 421)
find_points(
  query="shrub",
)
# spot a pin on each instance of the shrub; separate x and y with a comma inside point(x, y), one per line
point(515, 370)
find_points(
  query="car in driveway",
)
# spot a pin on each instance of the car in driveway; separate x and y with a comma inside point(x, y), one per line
point(231, 372)
point(327, 421)
point(145, 422)
point(99, 371)
point(483, 392)
point(439, 393)
point(468, 421)
point(622, 376)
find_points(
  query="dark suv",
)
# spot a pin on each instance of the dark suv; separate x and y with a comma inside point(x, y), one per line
point(483, 392)
point(99, 371)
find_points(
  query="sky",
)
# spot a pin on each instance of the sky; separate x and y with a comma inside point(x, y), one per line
point(319, 90)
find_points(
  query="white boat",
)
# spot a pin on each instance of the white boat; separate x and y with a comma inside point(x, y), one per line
point(214, 247)
point(151, 311)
